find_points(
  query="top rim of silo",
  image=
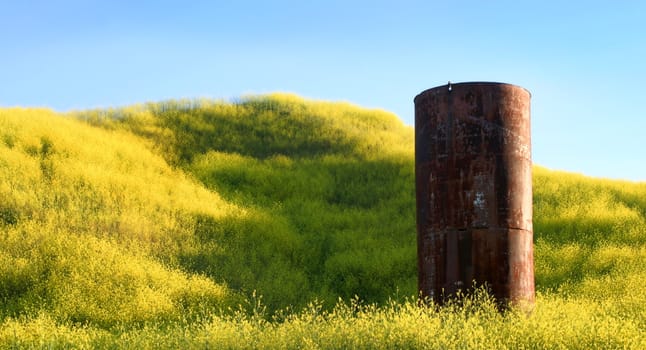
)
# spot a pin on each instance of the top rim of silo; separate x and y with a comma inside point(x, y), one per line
point(491, 83)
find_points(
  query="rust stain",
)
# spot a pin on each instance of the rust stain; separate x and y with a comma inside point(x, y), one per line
point(474, 190)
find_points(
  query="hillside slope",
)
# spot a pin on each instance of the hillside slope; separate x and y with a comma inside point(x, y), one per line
point(327, 185)
point(163, 209)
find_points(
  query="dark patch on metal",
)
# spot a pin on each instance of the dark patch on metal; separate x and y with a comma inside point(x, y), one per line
point(474, 190)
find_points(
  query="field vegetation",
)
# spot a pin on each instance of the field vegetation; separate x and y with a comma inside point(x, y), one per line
point(277, 222)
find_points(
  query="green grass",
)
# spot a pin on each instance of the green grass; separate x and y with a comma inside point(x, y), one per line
point(161, 225)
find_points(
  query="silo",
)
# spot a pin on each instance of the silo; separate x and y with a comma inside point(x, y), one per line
point(474, 190)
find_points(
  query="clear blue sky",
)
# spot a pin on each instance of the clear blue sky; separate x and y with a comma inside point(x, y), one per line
point(583, 61)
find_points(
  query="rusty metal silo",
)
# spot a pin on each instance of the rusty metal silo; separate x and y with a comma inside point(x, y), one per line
point(474, 190)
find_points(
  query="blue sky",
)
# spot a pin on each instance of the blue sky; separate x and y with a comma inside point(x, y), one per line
point(583, 61)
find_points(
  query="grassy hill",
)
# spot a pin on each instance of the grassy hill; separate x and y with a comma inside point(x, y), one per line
point(156, 222)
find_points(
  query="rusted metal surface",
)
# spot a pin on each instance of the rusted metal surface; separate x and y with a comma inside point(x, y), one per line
point(474, 190)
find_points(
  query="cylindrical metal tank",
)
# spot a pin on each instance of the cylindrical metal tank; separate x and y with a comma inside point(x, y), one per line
point(473, 173)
